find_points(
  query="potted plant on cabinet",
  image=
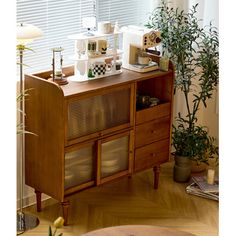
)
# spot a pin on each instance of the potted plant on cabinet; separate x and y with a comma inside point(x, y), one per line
point(194, 53)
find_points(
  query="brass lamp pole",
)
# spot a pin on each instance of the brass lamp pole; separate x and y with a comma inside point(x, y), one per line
point(25, 33)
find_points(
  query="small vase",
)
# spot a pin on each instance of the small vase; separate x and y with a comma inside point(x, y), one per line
point(164, 63)
point(182, 169)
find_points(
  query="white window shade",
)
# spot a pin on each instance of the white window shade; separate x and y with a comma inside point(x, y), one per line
point(131, 12)
point(60, 18)
point(126, 12)
point(57, 19)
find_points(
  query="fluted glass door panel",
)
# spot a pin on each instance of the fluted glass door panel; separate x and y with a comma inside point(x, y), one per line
point(114, 156)
point(87, 116)
point(79, 166)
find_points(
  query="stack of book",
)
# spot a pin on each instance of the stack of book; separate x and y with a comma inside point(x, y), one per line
point(201, 188)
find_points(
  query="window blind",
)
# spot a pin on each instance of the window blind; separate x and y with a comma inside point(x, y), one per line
point(57, 19)
point(126, 12)
point(60, 18)
point(131, 12)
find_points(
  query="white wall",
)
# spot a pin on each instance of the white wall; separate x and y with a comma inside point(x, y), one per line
point(209, 12)
point(182, 4)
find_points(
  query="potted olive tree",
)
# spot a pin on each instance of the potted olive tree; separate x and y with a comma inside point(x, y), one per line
point(194, 53)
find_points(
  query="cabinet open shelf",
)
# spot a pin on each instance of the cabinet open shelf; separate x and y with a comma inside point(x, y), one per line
point(84, 59)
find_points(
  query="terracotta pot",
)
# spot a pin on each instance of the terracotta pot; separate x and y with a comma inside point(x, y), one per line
point(182, 169)
point(198, 167)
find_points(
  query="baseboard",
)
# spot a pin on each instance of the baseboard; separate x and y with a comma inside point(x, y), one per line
point(31, 200)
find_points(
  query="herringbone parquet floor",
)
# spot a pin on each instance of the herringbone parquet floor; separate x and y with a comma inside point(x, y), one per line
point(133, 201)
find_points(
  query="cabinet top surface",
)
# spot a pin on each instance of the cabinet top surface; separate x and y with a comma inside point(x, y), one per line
point(126, 77)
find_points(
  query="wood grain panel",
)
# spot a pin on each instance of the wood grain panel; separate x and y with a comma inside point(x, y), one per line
point(160, 87)
point(73, 88)
point(151, 155)
point(130, 202)
point(79, 188)
point(153, 113)
point(48, 119)
point(152, 131)
point(44, 155)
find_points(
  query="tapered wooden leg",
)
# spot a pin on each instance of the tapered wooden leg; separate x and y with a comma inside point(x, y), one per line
point(156, 170)
point(38, 200)
point(65, 208)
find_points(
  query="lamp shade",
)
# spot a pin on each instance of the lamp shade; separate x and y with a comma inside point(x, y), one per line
point(26, 33)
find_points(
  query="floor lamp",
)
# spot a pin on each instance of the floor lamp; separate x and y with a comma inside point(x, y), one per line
point(25, 33)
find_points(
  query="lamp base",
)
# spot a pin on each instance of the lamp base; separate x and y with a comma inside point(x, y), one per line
point(25, 222)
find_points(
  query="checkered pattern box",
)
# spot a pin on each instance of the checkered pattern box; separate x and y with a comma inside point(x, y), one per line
point(99, 69)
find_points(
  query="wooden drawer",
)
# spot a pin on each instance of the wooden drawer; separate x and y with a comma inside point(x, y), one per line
point(151, 155)
point(152, 131)
point(153, 113)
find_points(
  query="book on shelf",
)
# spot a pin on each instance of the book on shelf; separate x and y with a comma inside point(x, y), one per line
point(201, 181)
point(194, 189)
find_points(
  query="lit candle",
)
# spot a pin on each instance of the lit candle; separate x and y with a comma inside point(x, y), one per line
point(210, 176)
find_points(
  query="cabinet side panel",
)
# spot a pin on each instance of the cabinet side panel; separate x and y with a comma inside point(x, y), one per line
point(44, 151)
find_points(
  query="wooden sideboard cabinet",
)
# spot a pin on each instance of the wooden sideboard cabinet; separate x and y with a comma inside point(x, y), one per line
point(90, 133)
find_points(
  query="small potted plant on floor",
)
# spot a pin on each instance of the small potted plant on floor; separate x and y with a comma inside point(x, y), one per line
point(194, 53)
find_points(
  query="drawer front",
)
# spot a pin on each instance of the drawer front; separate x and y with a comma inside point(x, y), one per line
point(151, 155)
point(153, 113)
point(152, 131)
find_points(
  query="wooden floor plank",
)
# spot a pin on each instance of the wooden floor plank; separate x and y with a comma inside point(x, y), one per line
point(133, 201)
